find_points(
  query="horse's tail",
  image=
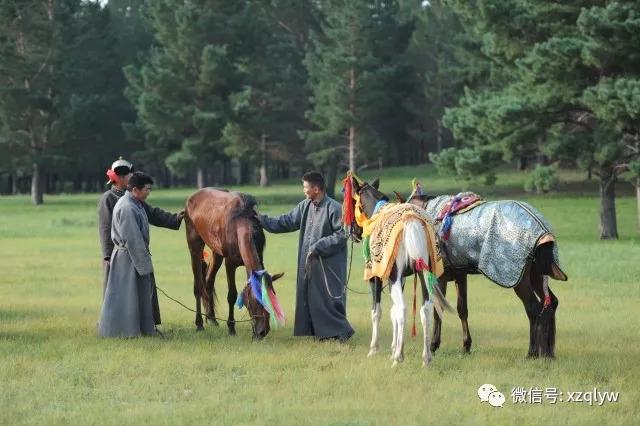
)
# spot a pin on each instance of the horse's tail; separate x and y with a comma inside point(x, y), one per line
point(546, 326)
point(415, 242)
point(208, 263)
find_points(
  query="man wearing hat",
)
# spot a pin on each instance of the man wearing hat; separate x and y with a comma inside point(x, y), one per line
point(119, 174)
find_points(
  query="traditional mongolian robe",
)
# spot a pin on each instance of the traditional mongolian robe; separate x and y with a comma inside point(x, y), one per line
point(127, 309)
point(156, 216)
point(320, 293)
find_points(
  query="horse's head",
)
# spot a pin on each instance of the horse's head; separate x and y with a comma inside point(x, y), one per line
point(260, 305)
point(361, 200)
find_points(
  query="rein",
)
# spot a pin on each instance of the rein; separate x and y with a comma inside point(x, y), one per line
point(205, 315)
point(345, 286)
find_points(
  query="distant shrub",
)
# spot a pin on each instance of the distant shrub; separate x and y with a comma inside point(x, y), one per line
point(543, 179)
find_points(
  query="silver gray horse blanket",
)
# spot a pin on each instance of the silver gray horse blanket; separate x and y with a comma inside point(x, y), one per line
point(495, 238)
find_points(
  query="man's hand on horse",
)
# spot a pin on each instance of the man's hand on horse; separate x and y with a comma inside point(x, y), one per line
point(180, 215)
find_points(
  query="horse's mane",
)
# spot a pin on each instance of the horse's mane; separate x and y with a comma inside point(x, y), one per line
point(424, 198)
point(247, 211)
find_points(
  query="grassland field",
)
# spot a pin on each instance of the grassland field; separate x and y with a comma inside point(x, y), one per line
point(54, 369)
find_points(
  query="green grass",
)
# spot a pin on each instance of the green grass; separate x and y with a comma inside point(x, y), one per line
point(55, 370)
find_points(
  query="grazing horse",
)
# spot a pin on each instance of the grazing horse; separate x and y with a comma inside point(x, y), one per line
point(410, 257)
point(534, 262)
point(226, 222)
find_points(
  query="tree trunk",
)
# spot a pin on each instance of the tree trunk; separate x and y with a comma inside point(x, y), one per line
point(608, 225)
point(36, 185)
point(439, 135)
point(638, 200)
point(200, 178)
point(522, 162)
point(264, 179)
point(352, 128)
point(332, 174)
point(543, 160)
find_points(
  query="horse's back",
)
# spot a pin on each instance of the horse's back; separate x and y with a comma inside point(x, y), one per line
point(208, 211)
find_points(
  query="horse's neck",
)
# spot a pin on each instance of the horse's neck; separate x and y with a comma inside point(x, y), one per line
point(247, 248)
point(435, 205)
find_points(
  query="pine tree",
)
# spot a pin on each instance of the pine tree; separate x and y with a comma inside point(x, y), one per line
point(347, 74)
point(30, 46)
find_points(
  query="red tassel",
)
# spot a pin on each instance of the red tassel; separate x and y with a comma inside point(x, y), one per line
point(547, 301)
point(415, 284)
point(347, 204)
point(421, 265)
point(112, 175)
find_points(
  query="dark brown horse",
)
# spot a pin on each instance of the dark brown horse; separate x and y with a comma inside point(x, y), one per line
point(539, 301)
point(226, 222)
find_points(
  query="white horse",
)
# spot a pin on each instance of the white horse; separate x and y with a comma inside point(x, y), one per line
point(411, 257)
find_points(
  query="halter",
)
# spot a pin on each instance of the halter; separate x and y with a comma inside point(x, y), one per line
point(264, 295)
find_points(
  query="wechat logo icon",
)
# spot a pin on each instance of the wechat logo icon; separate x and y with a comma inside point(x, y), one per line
point(489, 393)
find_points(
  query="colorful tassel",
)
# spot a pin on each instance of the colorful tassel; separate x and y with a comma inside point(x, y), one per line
point(366, 248)
point(432, 281)
point(379, 205)
point(240, 301)
point(347, 203)
point(267, 303)
point(276, 307)
point(447, 218)
point(265, 296)
point(421, 265)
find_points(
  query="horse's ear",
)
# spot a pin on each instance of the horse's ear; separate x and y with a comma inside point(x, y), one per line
point(399, 197)
point(376, 183)
point(277, 276)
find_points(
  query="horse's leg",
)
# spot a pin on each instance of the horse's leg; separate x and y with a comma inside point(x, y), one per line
point(196, 246)
point(394, 325)
point(232, 295)
point(426, 312)
point(210, 279)
point(398, 313)
point(463, 312)
point(376, 290)
point(532, 307)
point(437, 321)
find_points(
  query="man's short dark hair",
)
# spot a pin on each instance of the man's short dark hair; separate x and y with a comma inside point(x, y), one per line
point(139, 180)
point(123, 170)
point(315, 179)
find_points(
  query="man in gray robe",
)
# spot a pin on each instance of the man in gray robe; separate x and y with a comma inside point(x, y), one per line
point(127, 309)
point(119, 175)
point(322, 262)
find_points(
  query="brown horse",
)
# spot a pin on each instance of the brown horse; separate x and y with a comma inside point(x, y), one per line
point(226, 222)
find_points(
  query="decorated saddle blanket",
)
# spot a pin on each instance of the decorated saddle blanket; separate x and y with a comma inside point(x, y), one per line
point(383, 235)
point(461, 203)
point(495, 238)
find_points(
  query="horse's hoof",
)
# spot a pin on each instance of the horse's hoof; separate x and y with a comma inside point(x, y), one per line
point(232, 332)
point(213, 321)
point(199, 328)
point(395, 364)
point(434, 347)
point(372, 352)
point(426, 361)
